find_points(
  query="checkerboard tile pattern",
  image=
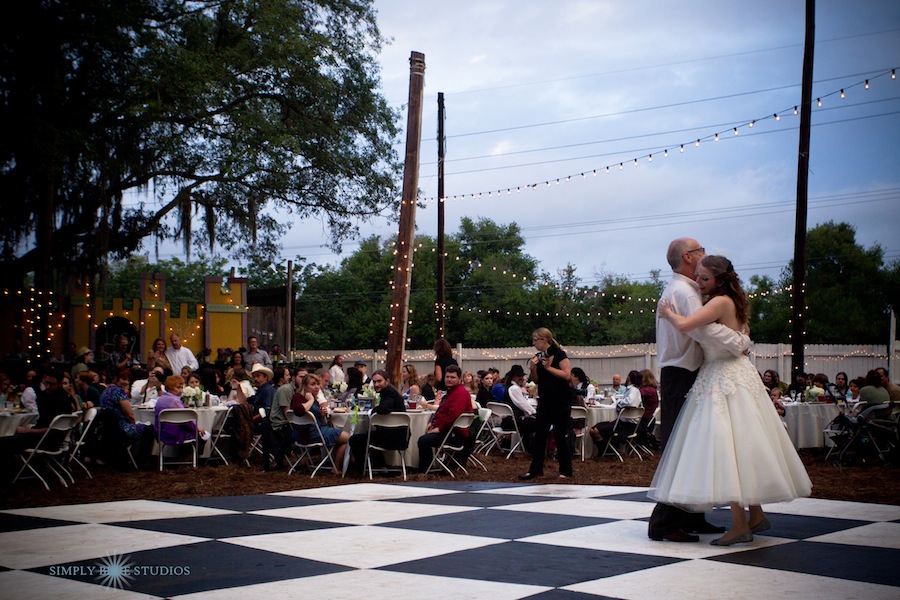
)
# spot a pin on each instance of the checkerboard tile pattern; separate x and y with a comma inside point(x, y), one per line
point(438, 540)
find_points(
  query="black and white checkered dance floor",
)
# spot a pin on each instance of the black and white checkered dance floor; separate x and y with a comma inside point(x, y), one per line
point(438, 540)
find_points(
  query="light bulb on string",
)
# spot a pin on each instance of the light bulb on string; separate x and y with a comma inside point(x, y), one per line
point(795, 110)
point(819, 101)
point(842, 94)
point(777, 117)
point(867, 84)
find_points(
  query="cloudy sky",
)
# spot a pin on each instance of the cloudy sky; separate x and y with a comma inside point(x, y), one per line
point(539, 91)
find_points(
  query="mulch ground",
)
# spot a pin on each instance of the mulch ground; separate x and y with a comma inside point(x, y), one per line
point(859, 483)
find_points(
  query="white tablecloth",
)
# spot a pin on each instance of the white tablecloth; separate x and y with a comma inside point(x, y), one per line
point(418, 422)
point(596, 414)
point(806, 420)
point(9, 421)
point(206, 420)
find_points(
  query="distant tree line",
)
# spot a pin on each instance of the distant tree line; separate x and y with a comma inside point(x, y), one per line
point(496, 295)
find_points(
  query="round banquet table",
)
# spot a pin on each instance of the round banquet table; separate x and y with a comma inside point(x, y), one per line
point(806, 420)
point(9, 420)
point(208, 418)
point(418, 423)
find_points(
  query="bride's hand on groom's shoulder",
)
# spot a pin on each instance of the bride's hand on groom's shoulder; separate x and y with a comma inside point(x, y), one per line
point(665, 309)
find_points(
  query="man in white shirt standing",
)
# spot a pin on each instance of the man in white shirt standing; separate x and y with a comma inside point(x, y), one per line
point(179, 356)
point(679, 356)
point(255, 355)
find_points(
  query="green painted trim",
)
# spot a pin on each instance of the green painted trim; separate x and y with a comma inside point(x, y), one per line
point(226, 308)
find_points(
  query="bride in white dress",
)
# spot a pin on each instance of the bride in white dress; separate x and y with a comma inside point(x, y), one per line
point(728, 444)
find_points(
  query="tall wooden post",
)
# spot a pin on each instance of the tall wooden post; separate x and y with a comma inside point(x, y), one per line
point(798, 295)
point(439, 303)
point(404, 251)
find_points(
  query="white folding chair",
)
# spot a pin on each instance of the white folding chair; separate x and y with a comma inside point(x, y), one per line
point(305, 448)
point(444, 452)
point(501, 410)
point(580, 412)
point(52, 444)
point(218, 435)
point(629, 412)
point(177, 416)
point(75, 448)
point(397, 421)
point(485, 414)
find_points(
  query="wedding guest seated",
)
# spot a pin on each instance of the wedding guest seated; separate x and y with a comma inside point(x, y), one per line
point(582, 386)
point(818, 387)
point(873, 393)
point(798, 386)
point(51, 401)
point(841, 383)
point(523, 411)
point(456, 402)
point(650, 401)
point(240, 379)
point(306, 401)
point(772, 380)
point(261, 402)
point(147, 387)
point(498, 389)
point(354, 384)
point(469, 382)
point(617, 388)
point(484, 392)
point(390, 401)
point(409, 381)
point(237, 362)
point(86, 390)
point(117, 398)
point(602, 433)
point(775, 396)
point(893, 390)
point(174, 433)
point(426, 385)
point(854, 387)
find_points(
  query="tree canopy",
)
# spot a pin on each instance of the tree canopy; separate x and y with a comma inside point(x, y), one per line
point(194, 120)
point(849, 292)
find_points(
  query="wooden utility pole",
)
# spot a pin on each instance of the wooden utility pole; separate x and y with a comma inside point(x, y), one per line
point(289, 312)
point(439, 303)
point(404, 251)
point(798, 294)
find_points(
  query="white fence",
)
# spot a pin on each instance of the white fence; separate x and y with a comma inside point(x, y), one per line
point(602, 362)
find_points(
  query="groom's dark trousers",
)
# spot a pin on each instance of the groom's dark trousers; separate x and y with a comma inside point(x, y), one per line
point(674, 384)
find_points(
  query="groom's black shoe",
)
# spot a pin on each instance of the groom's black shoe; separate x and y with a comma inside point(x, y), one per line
point(706, 527)
point(676, 536)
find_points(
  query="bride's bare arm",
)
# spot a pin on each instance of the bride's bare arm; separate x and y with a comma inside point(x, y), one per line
point(710, 312)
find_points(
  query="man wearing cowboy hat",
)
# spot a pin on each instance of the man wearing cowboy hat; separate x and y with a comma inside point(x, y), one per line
point(262, 407)
point(82, 359)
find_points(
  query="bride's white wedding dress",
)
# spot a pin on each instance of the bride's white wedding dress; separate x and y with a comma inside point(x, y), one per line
point(728, 444)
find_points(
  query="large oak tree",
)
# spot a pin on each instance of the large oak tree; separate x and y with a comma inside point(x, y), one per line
point(205, 121)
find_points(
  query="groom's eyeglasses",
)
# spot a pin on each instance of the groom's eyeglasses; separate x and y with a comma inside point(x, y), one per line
point(700, 249)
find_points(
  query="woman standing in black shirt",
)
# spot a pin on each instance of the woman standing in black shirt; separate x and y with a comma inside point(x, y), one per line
point(443, 358)
point(550, 367)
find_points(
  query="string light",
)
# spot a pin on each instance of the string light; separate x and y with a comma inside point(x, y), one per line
point(776, 116)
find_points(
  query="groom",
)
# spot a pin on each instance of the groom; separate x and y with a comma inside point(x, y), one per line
point(679, 356)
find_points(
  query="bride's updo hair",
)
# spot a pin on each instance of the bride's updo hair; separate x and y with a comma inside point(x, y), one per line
point(728, 284)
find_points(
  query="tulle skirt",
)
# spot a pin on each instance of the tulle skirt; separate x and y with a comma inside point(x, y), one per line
point(728, 445)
